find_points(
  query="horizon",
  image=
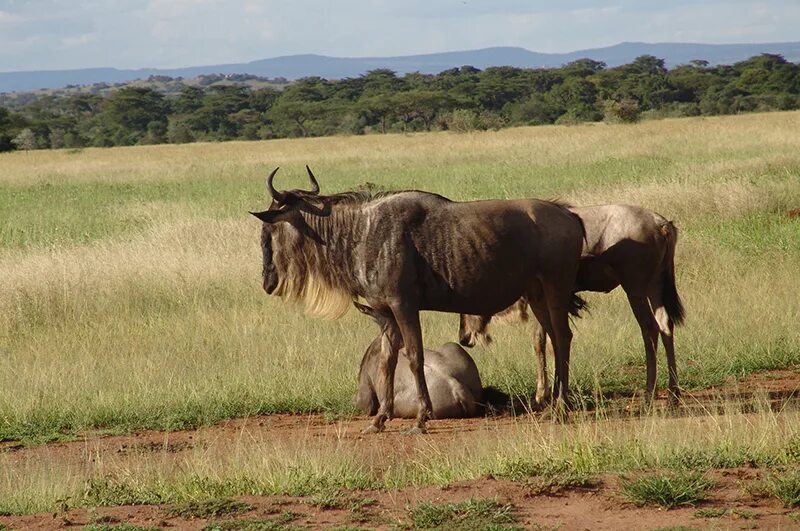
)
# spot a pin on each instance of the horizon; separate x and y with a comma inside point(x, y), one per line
point(45, 35)
point(363, 57)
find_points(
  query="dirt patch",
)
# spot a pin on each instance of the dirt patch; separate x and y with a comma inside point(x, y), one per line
point(599, 507)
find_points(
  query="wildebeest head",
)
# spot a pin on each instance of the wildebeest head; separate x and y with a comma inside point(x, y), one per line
point(474, 329)
point(294, 260)
point(285, 208)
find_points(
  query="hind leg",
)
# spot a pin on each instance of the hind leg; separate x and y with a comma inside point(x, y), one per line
point(543, 393)
point(558, 303)
point(542, 327)
point(666, 328)
point(649, 328)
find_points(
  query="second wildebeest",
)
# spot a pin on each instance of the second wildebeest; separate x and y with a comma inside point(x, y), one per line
point(404, 252)
point(626, 246)
point(451, 375)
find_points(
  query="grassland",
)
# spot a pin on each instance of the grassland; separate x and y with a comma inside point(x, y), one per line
point(130, 293)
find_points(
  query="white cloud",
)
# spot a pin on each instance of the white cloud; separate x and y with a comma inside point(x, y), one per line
point(38, 34)
point(78, 40)
point(9, 18)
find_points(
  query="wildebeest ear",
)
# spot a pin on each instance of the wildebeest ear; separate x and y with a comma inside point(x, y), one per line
point(274, 216)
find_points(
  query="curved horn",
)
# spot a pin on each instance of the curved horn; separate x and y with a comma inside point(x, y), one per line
point(276, 195)
point(314, 184)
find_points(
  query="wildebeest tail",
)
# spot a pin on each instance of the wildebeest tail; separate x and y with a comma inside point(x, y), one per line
point(577, 305)
point(495, 400)
point(669, 292)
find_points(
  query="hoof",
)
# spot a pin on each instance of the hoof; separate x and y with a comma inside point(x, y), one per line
point(416, 430)
point(371, 429)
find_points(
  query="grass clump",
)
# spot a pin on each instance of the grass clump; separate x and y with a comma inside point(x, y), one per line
point(470, 514)
point(209, 508)
point(710, 512)
point(280, 523)
point(783, 486)
point(553, 485)
point(118, 527)
point(667, 490)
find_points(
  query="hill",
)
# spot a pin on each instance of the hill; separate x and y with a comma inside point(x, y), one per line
point(298, 66)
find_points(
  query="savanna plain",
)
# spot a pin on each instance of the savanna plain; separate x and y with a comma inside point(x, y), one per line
point(147, 381)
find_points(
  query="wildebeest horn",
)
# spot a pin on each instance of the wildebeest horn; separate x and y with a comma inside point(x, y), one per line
point(314, 184)
point(276, 195)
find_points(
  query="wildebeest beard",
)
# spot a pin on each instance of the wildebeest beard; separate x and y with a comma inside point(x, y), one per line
point(312, 256)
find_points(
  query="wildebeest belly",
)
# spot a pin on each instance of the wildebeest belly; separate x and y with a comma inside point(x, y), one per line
point(473, 265)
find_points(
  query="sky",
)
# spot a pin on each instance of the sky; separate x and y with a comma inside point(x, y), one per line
point(57, 35)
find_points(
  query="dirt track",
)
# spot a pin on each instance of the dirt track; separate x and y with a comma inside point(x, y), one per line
point(598, 507)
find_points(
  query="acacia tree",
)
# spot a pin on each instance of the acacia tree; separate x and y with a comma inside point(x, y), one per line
point(129, 112)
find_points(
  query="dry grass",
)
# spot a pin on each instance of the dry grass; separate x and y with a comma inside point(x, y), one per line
point(129, 278)
point(130, 293)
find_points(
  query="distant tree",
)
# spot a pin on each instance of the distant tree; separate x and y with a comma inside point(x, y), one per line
point(626, 111)
point(128, 112)
point(25, 140)
point(179, 131)
point(499, 86)
point(421, 104)
point(380, 81)
point(582, 68)
point(539, 109)
point(189, 100)
point(377, 109)
point(11, 124)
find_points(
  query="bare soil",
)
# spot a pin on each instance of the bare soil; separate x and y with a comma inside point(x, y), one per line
point(600, 506)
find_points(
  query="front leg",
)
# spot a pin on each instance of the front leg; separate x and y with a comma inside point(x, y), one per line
point(411, 331)
point(387, 364)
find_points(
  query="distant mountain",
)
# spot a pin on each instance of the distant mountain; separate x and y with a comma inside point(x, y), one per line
point(297, 66)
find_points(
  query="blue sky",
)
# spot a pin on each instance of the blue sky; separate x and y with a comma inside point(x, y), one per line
point(50, 34)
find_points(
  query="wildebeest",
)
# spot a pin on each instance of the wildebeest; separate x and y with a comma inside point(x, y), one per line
point(450, 373)
point(629, 246)
point(404, 252)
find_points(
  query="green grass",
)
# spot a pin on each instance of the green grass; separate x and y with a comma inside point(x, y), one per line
point(711, 512)
point(667, 490)
point(281, 522)
point(118, 527)
point(786, 487)
point(470, 514)
point(129, 278)
point(130, 299)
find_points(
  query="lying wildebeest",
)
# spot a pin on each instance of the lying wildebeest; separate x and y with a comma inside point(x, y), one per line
point(404, 252)
point(451, 375)
point(628, 246)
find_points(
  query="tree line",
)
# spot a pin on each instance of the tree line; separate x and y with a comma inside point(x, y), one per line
point(460, 99)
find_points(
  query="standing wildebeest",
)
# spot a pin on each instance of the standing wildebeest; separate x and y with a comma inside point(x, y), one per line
point(404, 252)
point(628, 246)
point(450, 373)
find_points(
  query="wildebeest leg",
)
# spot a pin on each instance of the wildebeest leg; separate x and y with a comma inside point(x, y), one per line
point(558, 305)
point(387, 363)
point(542, 328)
point(410, 329)
point(543, 393)
point(666, 328)
point(649, 327)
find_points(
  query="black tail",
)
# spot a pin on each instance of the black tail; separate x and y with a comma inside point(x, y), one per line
point(495, 400)
point(669, 293)
point(578, 305)
point(671, 299)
